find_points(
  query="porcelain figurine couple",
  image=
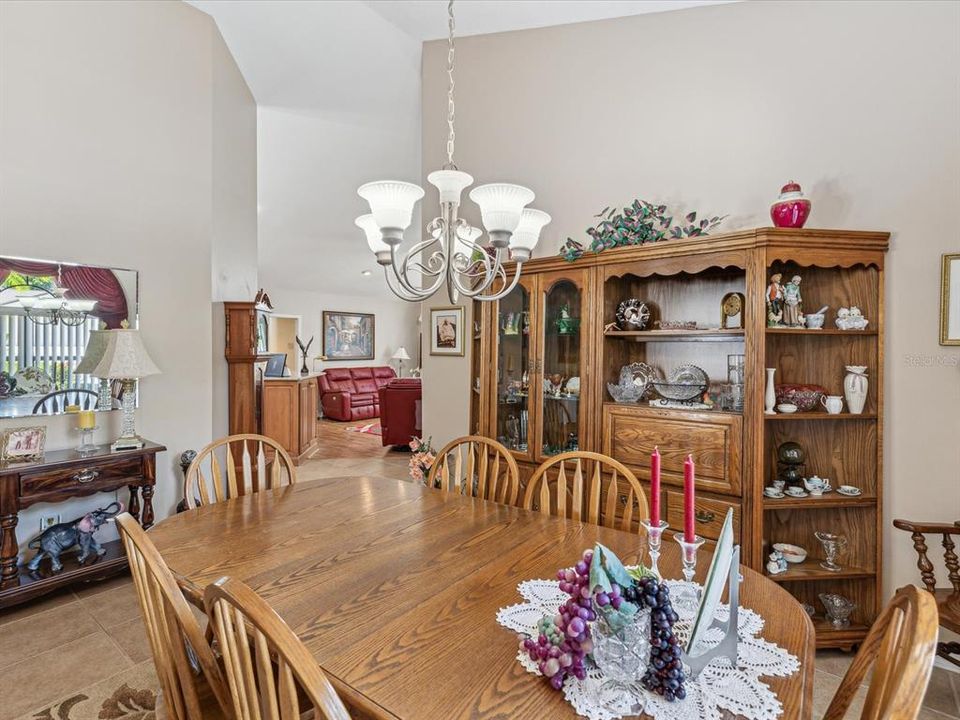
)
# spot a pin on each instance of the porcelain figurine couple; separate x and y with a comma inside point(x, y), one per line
point(784, 302)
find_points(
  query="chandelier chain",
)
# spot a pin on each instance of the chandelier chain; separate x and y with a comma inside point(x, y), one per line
point(451, 108)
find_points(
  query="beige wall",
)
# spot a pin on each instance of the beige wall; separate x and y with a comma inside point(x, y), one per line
point(713, 109)
point(108, 112)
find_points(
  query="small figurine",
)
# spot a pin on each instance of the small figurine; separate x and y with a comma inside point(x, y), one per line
point(566, 323)
point(777, 564)
point(775, 301)
point(851, 319)
point(60, 537)
point(792, 303)
point(304, 349)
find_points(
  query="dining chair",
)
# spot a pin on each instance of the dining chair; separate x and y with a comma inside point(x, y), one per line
point(478, 467)
point(901, 647)
point(264, 660)
point(236, 465)
point(948, 599)
point(53, 403)
point(567, 492)
point(192, 686)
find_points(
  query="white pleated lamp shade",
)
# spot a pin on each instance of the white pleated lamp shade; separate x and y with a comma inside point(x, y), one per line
point(391, 202)
point(401, 354)
point(527, 234)
point(94, 352)
point(368, 224)
point(124, 357)
point(450, 183)
point(501, 205)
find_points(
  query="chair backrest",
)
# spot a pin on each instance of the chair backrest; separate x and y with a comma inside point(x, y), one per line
point(900, 646)
point(588, 487)
point(477, 467)
point(56, 402)
point(236, 465)
point(264, 660)
point(918, 531)
point(175, 637)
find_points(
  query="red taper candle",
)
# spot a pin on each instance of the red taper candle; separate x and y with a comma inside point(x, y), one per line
point(688, 500)
point(655, 488)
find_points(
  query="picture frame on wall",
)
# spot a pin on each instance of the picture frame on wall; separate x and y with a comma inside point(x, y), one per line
point(22, 444)
point(348, 336)
point(950, 300)
point(446, 331)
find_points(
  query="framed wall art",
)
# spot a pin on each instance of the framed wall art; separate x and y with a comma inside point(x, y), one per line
point(22, 444)
point(446, 330)
point(950, 300)
point(348, 336)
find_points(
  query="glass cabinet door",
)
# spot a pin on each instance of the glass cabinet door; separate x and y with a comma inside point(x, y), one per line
point(561, 357)
point(514, 370)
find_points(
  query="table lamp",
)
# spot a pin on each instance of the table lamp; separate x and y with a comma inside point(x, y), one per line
point(400, 355)
point(125, 358)
point(92, 355)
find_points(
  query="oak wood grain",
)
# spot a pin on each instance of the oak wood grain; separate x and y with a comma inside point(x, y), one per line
point(392, 586)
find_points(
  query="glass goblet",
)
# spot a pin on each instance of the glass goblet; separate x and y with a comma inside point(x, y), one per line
point(833, 546)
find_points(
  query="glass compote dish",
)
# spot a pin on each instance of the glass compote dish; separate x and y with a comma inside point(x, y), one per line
point(623, 655)
point(838, 609)
point(833, 546)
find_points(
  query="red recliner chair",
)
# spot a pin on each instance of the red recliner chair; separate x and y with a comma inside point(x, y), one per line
point(352, 393)
point(400, 402)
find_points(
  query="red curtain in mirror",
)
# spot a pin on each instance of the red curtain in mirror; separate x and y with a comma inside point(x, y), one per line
point(82, 282)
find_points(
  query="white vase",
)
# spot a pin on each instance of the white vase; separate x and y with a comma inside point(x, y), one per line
point(770, 395)
point(855, 386)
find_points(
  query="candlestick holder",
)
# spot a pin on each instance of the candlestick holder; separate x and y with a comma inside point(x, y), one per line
point(688, 596)
point(654, 536)
point(86, 445)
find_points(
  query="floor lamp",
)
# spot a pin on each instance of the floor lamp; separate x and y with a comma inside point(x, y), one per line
point(400, 355)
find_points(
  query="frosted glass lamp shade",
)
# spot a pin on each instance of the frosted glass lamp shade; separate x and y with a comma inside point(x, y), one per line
point(94, 352)
point(527, 234)
point(368, 224)
point(401, 354)
point(450, 183)
point(501, 205)
point(124, 356)
point(391, 202)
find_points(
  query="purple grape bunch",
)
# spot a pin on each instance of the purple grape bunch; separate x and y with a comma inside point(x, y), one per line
point(564, 639)
point(665, 675)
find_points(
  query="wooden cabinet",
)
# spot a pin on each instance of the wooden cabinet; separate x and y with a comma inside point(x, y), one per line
point(735, 451)
point(289, 414)
point(61, 475)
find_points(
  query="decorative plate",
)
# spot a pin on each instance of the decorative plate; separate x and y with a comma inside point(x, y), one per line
point(32, 381)
point(633, 314)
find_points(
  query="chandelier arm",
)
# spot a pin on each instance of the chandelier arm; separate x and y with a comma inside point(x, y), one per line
point(507, 290)
point(399, 291)
point(404, 281)
point(492, 269)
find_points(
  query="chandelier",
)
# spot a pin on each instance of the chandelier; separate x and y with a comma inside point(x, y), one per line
point(453, 252)
point(49, 305)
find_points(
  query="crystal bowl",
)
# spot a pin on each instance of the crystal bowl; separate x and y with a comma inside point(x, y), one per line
point(838, 608)
point(679, 391)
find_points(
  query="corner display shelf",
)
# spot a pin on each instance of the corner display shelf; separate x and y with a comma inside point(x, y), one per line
point(521, 354)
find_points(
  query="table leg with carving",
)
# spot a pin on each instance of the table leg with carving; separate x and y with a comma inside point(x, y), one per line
point(134, 508)
point(146, 519)
point(9, 575)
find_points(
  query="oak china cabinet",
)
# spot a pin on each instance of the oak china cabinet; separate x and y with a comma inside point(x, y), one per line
point(543, 355)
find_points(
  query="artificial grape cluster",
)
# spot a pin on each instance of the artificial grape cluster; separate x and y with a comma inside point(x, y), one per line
point(665, 674)
point(564, 639)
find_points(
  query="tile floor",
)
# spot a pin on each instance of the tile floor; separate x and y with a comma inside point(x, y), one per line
point(77, 639)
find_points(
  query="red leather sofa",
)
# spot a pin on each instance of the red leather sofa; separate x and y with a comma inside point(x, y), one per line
point(352, 393)
point(400, 401)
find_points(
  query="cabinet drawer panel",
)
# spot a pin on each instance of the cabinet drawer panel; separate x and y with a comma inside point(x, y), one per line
point(708, 512)
point(631, 434)
point(99, 475)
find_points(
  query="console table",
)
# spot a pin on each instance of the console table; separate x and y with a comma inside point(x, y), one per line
point(60, 475)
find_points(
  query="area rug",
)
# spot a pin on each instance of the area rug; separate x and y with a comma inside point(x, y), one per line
point(129, 695)
point(368, 429)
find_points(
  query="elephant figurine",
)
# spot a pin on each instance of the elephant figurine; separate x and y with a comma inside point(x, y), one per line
point(61, 537)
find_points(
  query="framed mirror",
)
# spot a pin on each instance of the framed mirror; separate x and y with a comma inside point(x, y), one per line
point(48, 313)
point(950, 300)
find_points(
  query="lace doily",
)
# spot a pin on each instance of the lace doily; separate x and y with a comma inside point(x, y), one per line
point(719, 687)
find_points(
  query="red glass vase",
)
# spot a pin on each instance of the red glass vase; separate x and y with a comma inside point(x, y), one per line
point(791, 209)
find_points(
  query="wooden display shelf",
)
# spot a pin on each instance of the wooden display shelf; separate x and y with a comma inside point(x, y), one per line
point(813, 502)
point(707, 334)
point(817, 416)
point(829, 636)
point(810, 570)
point(821, 332)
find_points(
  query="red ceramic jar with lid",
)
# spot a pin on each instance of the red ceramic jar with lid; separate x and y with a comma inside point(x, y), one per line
point(791, 209)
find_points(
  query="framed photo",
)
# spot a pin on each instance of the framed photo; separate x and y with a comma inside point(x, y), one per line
point(446, 330)
point(22, 444)
point(950, 300)
point(348, 336)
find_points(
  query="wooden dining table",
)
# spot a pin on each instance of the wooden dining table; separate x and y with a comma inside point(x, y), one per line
point(394, 588)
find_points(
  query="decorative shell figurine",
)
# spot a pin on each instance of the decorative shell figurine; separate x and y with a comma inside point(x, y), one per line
point(633, 314)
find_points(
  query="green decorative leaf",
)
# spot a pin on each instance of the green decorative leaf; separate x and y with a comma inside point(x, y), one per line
point(691, 217)
point(614, 568)
point(598, 576)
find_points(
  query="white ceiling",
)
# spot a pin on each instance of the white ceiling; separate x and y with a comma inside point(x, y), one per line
point(337, 84)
